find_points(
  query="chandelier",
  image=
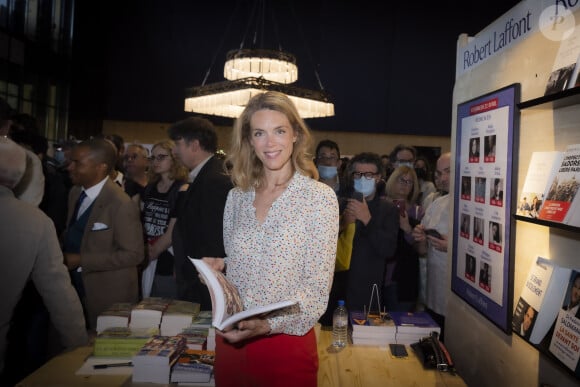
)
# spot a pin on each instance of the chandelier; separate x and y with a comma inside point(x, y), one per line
point(249, 72)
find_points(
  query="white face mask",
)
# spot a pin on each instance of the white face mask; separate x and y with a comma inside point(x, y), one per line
point(364, 186)
point(405, 164)
point(327, 172)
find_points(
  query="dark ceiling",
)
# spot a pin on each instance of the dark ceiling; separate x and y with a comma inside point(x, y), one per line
point(389, 67)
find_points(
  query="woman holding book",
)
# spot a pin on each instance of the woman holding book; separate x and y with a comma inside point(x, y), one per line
point(280, 236)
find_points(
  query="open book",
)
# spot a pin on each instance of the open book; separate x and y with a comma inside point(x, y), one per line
point(227, 305)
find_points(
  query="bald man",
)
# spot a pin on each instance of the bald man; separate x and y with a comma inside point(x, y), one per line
point(437, 217)
point(30, 249)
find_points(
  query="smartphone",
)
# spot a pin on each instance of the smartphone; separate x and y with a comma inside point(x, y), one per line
point(398, 350)
point(358, 196)
point(433, 233)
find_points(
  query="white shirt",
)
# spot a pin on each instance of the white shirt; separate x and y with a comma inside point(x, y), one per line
point(92, 194)
point(437, 217)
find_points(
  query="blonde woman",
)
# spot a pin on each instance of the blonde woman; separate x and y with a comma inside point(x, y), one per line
point(166, 177)
point(280, 237)
point(401, 286)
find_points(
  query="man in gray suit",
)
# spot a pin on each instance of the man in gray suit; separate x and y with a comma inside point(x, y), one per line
point(30, 249)
point(103, 242)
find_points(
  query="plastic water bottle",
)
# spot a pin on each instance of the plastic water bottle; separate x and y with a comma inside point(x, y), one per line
point(340, 326)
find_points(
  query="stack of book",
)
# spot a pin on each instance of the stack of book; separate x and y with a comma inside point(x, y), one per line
point(178, 315)
point(153, 362)
point(193, 366)
point(413, 326)
point(368, 330)
point(196, 337)
point(122, 341)
point(148, 312)
point(117, 315)
point(204, 321)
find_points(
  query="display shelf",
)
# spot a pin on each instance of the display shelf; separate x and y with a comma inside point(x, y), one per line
point(547, 223)
point(553, 101)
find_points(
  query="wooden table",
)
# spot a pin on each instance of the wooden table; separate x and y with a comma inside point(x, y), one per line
point(365, 366)
point(354, 366)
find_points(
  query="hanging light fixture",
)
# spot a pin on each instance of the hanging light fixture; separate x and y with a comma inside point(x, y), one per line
point(275, 66)
point(252, 71)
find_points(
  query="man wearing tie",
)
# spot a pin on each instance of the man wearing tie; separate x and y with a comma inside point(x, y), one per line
point(103, 243)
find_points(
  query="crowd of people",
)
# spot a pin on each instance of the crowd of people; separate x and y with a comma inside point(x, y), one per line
point(108, 222)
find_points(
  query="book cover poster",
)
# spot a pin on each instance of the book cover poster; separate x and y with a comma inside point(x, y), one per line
point(561, 192)
point(565, 342)
point(541, 171)
point(563, 74)
point(531, 302)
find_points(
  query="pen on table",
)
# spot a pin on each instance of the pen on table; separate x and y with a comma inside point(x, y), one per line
point(101, 366)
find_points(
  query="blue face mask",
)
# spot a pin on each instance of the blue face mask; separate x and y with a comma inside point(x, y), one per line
point(327, 172)
point(364, 186)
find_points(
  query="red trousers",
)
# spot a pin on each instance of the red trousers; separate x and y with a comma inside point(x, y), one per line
point(270, 361)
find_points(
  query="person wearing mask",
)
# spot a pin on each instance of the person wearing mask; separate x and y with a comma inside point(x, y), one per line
point(436, 217)
point(376, 228)
point(423, 172)
point(403, 155)
point(328, 163)
point(31, 250)
point(280, 229)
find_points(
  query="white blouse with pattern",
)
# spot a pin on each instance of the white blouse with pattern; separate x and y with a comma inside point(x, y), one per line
point(290, 255)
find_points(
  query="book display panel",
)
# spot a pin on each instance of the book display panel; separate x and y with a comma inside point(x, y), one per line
point(546, 315)
point(482, 262)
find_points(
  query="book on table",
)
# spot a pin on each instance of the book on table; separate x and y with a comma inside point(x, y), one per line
point(371, 330)
point(227, 307)
point(116, 315)
point(179, 314)
point(561, 199)
point(154, 360)
point(541, 171)
point(148, 312)
point(196, 337)
point(193, 366)
point(540, 299)
point(419, 322)
point(122, 341)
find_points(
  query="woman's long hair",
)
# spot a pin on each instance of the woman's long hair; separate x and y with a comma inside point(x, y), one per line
point(245, 167)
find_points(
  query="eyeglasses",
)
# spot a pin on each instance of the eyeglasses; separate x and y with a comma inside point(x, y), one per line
point(367, 175)
point(158, 157)
point(404, 181)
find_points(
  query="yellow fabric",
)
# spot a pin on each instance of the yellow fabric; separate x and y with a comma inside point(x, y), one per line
point(344, 248)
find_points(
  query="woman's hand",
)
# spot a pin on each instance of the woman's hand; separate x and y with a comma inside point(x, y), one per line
point(215, 263)
point(245, 330)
